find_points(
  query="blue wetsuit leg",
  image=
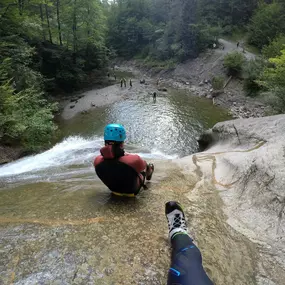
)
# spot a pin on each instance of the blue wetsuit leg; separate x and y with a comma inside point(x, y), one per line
point(186, 263)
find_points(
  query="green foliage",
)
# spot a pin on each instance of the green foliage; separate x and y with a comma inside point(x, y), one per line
point(47, 45)
point(58, 67)
point(274, 48)
point(274, 79)
point(16, 57)
point(160, 29)
point(53, 45)
point(130, 27)
point(218, 82)
point(252, 70)
point(158, 65)
point(67, 37)
point(175, 29)
point(267, 22)
point(26, 118)
point(234, 62)
point(226, 13)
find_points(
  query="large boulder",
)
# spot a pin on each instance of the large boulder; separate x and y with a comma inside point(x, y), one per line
point(8, 154)
point(245, 161)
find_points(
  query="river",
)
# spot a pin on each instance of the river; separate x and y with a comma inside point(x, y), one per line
point(60, 225)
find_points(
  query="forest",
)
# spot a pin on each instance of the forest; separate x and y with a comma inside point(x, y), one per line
point(50, 47)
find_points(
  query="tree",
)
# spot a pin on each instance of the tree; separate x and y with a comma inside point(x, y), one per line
point(267, 22)
point(274, 79)
point(48, 22)
point(275, 47)
point(226, 12)
point(189, 31)
point(218, 82)
point(252, 71)
point(58, 21)
point(26, 117)
point(39, 41)
point(234, 62)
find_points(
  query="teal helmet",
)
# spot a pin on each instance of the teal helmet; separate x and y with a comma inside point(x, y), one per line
point(114, 132)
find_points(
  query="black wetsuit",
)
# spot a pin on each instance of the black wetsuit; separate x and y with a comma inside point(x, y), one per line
point(186, 263)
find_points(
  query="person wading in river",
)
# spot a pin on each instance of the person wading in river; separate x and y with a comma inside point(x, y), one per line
point(123, 173)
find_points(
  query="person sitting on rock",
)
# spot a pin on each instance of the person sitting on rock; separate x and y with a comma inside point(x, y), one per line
point(123, 173)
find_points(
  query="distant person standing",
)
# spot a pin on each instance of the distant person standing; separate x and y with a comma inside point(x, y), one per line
point(115, 77)
point(154, 96)
point(125, 82)
point(121, 82)
point(131, 83)
point(237, 44)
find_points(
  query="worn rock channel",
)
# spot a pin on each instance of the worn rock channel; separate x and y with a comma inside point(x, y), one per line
point(60, 225)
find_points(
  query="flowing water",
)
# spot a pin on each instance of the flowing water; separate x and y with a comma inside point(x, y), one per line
point(60, 225)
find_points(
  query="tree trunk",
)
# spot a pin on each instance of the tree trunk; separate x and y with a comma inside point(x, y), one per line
point(47, 17)
point(74, 28)
point(21, 6)
point(88, 19)
point(88, 33)
point(42, 21)
point(58, 22)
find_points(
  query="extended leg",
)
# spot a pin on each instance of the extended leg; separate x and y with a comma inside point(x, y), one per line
point(186, 260)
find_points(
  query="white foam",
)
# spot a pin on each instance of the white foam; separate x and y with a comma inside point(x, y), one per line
point(156, 154)
point(59, 160)
point(73, 150)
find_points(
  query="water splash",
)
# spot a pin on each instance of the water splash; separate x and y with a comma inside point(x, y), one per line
point(72, 150)
point(73, 156)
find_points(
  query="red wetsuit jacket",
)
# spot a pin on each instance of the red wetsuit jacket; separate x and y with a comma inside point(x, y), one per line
point(132, 160)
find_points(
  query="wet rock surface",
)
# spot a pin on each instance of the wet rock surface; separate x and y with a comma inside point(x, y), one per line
point(8, 154)
point(74, 232)
point(245, 162)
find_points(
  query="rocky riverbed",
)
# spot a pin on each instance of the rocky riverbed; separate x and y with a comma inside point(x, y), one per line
point(195, 76)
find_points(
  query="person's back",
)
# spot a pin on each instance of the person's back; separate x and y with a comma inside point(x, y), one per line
point(122, 173)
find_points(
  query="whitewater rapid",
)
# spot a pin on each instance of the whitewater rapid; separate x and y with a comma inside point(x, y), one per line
point(73, 156)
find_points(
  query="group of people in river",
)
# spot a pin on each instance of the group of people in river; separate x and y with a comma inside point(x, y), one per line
point(123, 81)
point(126, 174)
